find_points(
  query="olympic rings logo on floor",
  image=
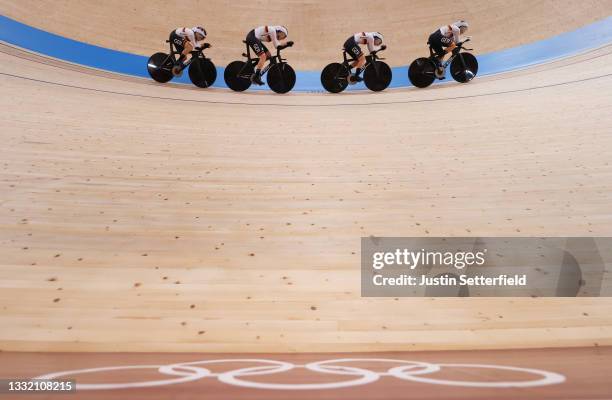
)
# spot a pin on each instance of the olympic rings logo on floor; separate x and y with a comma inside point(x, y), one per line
point(414, 371)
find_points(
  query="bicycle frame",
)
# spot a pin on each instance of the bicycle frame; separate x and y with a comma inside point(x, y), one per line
point(453, 56)
point(370, 59)
point(252, 61)
point(173, 55)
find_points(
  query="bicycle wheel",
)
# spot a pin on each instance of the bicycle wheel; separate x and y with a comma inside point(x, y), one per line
point(377, 77)
point(202, 72)
point(281, 78)
point(422, 72)
point(237, 75)
point(159, 66)
point(334, 77)
point(458, 69)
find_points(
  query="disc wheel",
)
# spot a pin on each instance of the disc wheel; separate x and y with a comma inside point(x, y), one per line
point(334, 77)
point(458, 69)
point(281, 78)
point(202, 72)
point(377, 80)
point(422, 72)
point(159, 66)
point(237, 75)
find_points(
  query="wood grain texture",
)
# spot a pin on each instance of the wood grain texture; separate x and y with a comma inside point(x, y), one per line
point(143, 217)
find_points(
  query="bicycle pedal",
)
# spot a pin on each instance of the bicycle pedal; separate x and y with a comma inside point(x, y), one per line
point(177, 71)
point(256, 81)
point(352, 79)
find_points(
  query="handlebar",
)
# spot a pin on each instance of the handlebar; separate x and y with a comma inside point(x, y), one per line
point(374, 54)
point(383, 48)
point(200, 49)
point(282, 47)
point(460, 45)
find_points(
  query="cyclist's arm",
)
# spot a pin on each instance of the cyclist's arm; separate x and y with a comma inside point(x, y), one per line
point(274, 39)
point(370, 42)
point(456, 33)
point(190, 36)
point(200, 45)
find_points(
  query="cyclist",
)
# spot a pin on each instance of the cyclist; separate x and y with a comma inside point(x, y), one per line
point(266, 33)
point(185, 40)
point(446, 37)
point(374, 40)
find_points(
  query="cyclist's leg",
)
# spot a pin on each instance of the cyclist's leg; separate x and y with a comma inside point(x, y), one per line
point(176, 42)
point(262, 53)
point(263, 57)
point(177, 45)
point(354, 50)
point(436, 43)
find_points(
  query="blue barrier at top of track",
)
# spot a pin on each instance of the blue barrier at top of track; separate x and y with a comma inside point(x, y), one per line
point(588, 37)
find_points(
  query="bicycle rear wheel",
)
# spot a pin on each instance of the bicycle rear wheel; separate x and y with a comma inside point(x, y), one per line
point(159, 67)
point(237, 75)
point(334, 77)
point(422, 72)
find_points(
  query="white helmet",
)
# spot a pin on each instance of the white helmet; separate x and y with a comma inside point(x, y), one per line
point(378, 35)
point(282, 29)
point(200, 30)
point(462, 24)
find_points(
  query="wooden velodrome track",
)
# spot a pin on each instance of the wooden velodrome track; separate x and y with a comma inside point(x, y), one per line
point(138, 217)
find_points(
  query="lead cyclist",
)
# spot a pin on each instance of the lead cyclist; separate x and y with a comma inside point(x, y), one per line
point(445, 39)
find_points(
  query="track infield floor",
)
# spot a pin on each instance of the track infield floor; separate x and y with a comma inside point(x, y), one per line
point(571, 373)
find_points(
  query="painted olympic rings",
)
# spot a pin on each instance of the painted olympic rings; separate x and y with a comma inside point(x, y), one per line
point(405, 370)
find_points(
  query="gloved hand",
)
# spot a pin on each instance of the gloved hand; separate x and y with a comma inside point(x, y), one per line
point(290, 43)
point(383, 47)
point(207, 46)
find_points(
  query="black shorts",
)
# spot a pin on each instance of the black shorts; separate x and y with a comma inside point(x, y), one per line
point(177, 41)
point(352, 48)
point(438, 42)
point(258, 47)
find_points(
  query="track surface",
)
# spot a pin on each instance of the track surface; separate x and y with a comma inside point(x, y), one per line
point(227, 222)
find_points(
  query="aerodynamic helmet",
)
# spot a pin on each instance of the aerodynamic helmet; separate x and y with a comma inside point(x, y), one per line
point(462, 24)
point(282, 29)
point(200, 30)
